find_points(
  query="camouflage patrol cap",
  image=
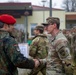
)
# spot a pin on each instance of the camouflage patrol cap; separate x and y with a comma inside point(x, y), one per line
point(51, 20)
point(39, 27)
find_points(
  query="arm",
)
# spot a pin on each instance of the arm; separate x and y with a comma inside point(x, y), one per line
point(16, 57)
point(63, 51)
point(33, 47)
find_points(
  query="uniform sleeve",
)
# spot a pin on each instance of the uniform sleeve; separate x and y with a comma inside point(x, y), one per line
point(63, 50)
point(16, 57)
point(33, 47)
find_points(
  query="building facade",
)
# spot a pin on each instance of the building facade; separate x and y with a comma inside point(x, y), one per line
point(28, 16)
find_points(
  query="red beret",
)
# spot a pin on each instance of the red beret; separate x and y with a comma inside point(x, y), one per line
point(8, 19)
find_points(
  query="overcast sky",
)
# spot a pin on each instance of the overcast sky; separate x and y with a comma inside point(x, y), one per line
point(55, 3)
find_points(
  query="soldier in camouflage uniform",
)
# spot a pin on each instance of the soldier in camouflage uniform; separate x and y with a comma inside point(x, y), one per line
point(69, 36)
point(73, 32)
point(14, 34)
point(10, 56)
point(60, 52)
point(39, 49)
point(18, 35)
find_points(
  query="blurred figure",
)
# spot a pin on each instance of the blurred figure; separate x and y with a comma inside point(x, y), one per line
point(18, 35)
point(73, 32)
point(69, 36)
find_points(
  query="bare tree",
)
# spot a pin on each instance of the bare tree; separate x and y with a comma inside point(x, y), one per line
point(69, 5)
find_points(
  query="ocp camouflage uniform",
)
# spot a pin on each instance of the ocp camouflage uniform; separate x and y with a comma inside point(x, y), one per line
point(73, 32)
point(39, 50)
point(74, 37)
point(60, 53)
point(10, 56)
point(69, 37)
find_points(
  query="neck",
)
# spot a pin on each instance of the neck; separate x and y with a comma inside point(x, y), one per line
point(55, 32)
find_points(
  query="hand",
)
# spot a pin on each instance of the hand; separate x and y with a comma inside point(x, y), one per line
point(37, 63)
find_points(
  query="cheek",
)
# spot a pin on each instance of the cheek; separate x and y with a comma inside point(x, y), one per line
point(34, 32)
point(49, 28)
point(44, 28)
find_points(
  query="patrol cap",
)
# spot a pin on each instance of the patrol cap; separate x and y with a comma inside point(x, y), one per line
point(51, 20)
point(44, 24)
point(39, 27)
point(8, 19)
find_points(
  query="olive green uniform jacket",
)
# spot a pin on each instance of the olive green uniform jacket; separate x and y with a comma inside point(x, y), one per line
point(10, 56)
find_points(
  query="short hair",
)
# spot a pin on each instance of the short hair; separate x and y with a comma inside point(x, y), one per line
point(53, 20)
point(1, 24)
point(40, 28)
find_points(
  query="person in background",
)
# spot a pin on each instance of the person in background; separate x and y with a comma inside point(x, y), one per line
point(39, 49)
point(73, 32)
point(10, 56)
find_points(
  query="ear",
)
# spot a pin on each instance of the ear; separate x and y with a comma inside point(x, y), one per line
point(55, 25)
